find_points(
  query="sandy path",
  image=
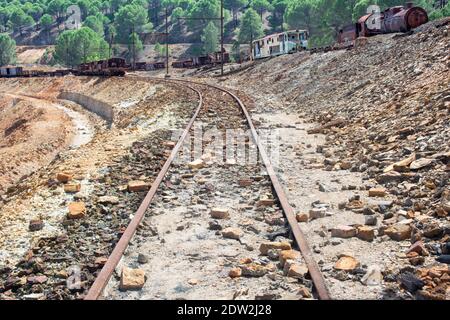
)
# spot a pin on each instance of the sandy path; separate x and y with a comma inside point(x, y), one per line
point(83, 130)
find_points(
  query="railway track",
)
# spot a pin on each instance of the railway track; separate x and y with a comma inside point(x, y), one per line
point(156, 229)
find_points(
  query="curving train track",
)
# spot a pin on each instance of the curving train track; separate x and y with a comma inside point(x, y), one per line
point(220, 108)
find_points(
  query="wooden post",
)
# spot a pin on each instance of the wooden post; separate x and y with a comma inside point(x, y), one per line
point(167, 44)
point(221, 35)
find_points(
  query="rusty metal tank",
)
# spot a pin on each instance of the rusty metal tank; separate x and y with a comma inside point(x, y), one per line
point(403, 19)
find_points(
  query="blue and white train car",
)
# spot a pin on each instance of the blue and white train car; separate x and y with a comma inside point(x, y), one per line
point(280, 43)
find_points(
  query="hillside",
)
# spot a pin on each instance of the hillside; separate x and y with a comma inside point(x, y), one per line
point(113, 25)
point(382, 112)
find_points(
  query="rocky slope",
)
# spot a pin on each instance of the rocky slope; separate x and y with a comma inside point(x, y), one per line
point(384, 108)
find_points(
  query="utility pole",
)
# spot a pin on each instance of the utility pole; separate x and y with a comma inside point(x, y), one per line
point(133, 65)
point(111, 39)
point(167, 44)
point(221, 36)
point(221, 31)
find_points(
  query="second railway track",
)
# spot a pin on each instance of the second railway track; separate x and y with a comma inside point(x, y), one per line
point(188, 251)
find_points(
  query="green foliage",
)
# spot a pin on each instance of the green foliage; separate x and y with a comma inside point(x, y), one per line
point(130, 18)
point(210, 38)
point(301, 13)
point(203, 9)
point(80, 46)
point(160, 49)
point(95, 23)
point(251, 27)
point(234, 6)
point(7, 50)
point(57, 8)
point(19, 20)
point(261, 6)
point(441, 13)
point(236, 51)
point(46, 21)
point(276, 18)
point(119, 18)
point(134, 46)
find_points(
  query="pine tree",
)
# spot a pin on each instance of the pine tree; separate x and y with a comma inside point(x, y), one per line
point(210, 38)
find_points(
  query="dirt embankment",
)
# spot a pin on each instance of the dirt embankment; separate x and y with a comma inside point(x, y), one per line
point(31, 134)
point(34, 127)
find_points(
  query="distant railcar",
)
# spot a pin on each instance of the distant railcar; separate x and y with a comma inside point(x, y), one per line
point(11, 71)
point(109, 67)
point(280, 43)
point(211, 59)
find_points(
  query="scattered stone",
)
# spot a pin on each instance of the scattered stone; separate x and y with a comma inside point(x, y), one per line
point(77, 210)
point(196, 164)
point(193, 282)
point(266, 246)
point(317, 213)
point(302, 217)
point(142, 258)
point(288, 255)
point(36, 225)
point(132, 279)
point(410, 282)
point(137, 186)
point(37, 279)
point(401, 165)
point(297, 271)
point(399, 232)
point(432, 230)
point(214, 225)
point(232, 233)
point(415, 259)
point(445, 258)
point(345, 165)
point(343, 232)
point(419, 248)
point(253, 270)
point(265, 202)
point(346, 263)
point(368, 211)
point(370, 220)
point(273, 254)
point(64, 177)
point(235, 273)
point(377, 192)
point(366, 233)
point(72, 187)
point(220, 213)
point(108, 200)
point(421, 163)
point(373, 276)
point(245, 182)
point(304, 292)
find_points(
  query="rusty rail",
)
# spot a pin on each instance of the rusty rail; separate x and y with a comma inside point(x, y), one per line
point(113, 260)
point(314, 271)
point(300, 238)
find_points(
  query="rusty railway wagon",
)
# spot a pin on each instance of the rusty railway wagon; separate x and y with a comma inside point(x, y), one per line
point(148, 66)
point(211, 59)
point(391, 20)
point(109, 67)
